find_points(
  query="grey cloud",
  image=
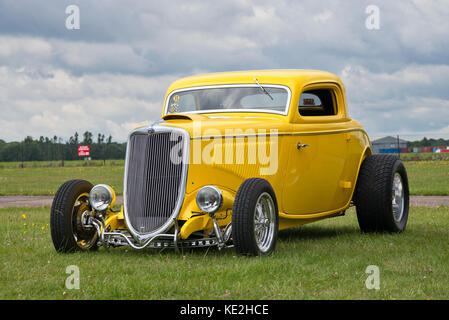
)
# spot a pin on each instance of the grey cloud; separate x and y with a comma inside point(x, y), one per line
point(180, 33)
point(64, 103)
point(126, 53)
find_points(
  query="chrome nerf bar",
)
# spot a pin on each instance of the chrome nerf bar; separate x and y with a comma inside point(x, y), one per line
point(166, 240)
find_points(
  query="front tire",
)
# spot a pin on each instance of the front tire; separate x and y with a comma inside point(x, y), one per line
point(255, 218)
point(67, 230)
point(382, 194)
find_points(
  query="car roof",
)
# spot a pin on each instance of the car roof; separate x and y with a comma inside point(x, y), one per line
point(288, 77)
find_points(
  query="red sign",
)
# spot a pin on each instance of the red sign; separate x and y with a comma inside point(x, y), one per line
point(83, 151)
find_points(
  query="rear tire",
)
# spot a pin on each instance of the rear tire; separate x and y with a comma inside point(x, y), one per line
point(67, 231)
point(255, 218)
point(382, 194)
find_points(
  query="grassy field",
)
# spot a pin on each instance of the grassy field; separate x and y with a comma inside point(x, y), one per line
point(430, 177)
point(52, 164)
point(427, 156)
point(324, 260)
point(46, 180)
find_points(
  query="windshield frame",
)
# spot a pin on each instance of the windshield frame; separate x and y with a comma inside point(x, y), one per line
point(242, 85)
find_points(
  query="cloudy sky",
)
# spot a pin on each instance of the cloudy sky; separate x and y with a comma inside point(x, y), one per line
point(112, 72)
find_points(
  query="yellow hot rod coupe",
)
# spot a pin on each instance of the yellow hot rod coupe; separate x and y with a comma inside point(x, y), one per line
point(236, 157)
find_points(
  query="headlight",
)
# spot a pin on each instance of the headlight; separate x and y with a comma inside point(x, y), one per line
point(101, 197)
point(209, 199)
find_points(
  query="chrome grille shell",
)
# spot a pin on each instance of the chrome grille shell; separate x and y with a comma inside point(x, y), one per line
point(143, 217)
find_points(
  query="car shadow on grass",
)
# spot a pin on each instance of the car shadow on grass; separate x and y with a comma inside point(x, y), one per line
point(296, 234)
point(316, 232)
point(165, 252)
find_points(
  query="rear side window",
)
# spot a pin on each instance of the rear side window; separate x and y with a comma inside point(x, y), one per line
point(319, 102)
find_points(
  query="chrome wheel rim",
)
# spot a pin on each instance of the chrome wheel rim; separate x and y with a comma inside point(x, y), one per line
point(85, 239)
point(397, 198)
point(264, 222)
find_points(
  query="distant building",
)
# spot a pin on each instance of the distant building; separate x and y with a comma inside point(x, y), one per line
point(389, 145)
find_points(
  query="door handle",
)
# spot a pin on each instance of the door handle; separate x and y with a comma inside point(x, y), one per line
point(302, 145)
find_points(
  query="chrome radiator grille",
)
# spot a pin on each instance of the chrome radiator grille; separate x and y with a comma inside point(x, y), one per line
point(153, 182)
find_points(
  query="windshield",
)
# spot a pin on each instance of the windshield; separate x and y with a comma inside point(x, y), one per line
point(269, 98)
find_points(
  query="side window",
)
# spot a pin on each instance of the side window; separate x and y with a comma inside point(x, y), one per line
point(319, 102)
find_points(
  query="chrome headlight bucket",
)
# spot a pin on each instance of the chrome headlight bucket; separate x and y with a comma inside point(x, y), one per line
point(101, 197)
point(209, 199)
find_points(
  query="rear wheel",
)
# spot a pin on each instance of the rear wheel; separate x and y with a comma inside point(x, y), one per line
point(382, 194)
point(255, 220)
point(70, 207)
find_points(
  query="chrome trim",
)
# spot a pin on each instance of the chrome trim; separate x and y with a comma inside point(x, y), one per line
point(159, 241)
point(300, 145)
point(227, 232)
point(111, 196)
point(243, 85)
point(176, 237)
point(397, 201)
point(264, 222)
point(145, 130)
point(218, 234)
point(263, 89)
point(146, 242)
point(220, 196)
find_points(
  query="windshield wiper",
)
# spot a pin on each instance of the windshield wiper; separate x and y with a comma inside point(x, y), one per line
point(263, 89)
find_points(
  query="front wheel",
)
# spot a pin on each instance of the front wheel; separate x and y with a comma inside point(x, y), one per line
point(69, 209)
point(382, 194)
point(255, 219)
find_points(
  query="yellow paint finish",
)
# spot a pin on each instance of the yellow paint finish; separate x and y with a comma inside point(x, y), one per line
point(195, 220)
point(310, 183)
point(285, 223)
point(346, 184)
point(115, 220)
point(196, 223)
point(113, 197)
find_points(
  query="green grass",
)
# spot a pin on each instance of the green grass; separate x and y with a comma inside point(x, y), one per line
point(425, 156)
point(323, 260)
point(428, 177)
point(47, 180)
point(67, 163)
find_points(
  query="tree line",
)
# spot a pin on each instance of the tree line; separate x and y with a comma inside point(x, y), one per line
point(101, 148)
point(56, 149)
point(424, 142)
